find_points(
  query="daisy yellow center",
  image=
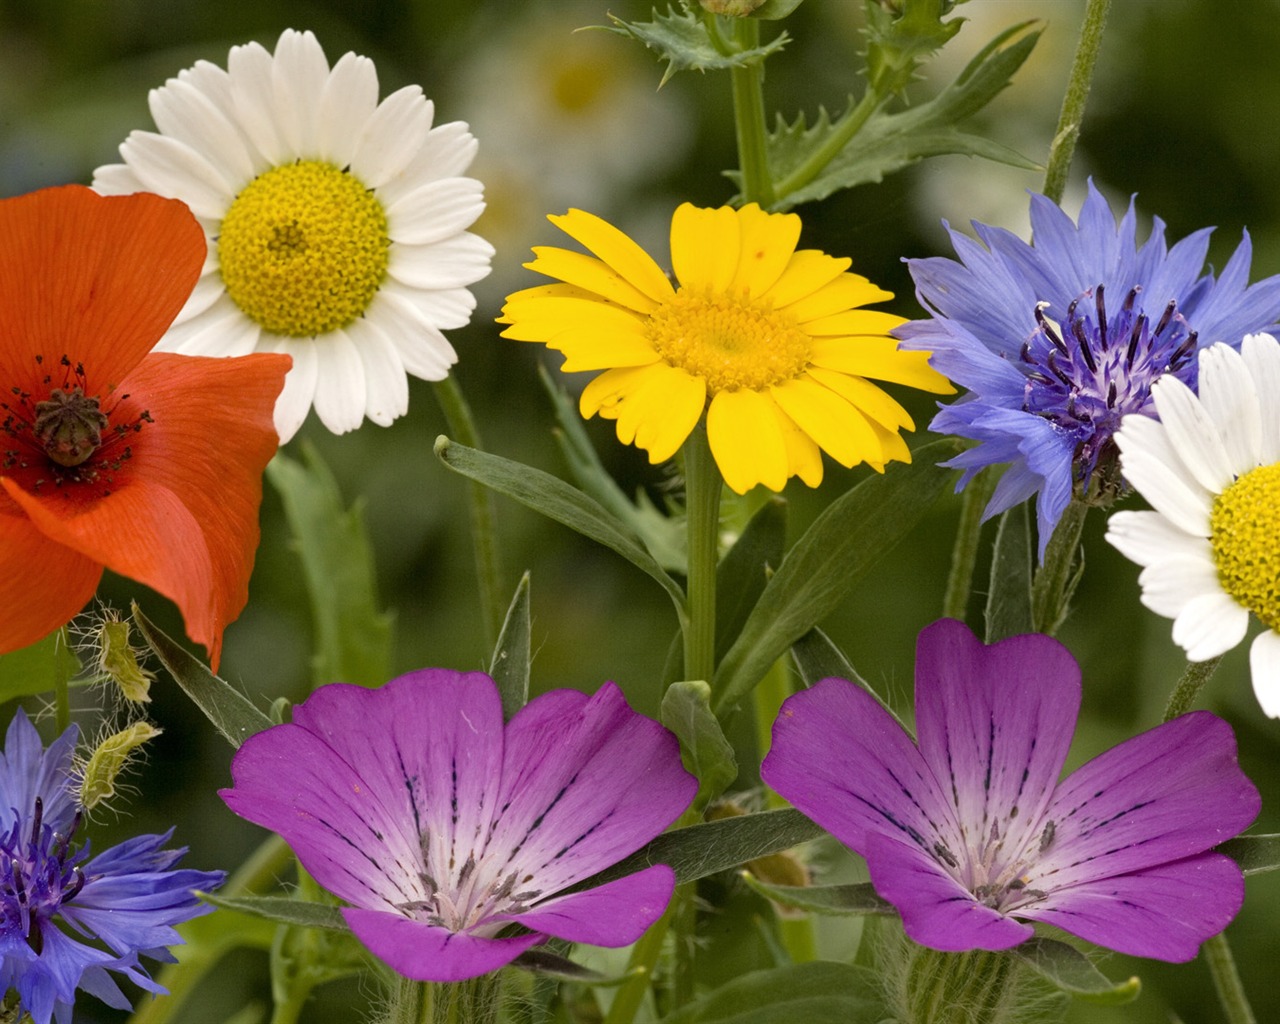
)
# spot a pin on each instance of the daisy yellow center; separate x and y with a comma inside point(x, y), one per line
point(729, 343)
point(303, 249)
point(1246, 543)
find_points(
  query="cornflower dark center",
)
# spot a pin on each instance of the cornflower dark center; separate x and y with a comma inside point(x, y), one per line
point(39, 872)
point(1088, 371)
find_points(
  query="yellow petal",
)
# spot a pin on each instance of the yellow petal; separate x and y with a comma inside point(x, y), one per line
point(705, 245)
point(895, 448)
point(808, 271)
point(874, 403)
point(591, 274)
point(845, 292)
point(588, 348)
point(656, 406)
point(541, 318)
point(837, 427)
point(853, 321)
point(617, 250)
point(746, 440)
point(804, 457)
point(767, 244)
point(880, 359)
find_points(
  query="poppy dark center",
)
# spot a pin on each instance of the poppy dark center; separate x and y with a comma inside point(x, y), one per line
point(69, 425)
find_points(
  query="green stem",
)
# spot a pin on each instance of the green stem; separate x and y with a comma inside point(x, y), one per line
point(964, 553)
point(844, 130)
point(61, 681)
point(484, 539)
point(749, 118)
point(1051, 590)
point(1226, 979)
point(1063, 146)
point(1188, 687)
point(702, 508)
point(644, 957)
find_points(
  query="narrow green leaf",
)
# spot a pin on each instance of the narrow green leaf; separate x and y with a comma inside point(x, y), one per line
point(1070, 970)
point(353, 637)
point(854, 900)
point(744, 570)
point(283, 910)
point(556, 500)
point(1009, 595)
point(816, 657)
point(682, 39)
point(230, 711)
point(843, 542)
point(541, 960)
point(512, 655)
point(35, 668)
point(1254, 854)
point(686, 711)
point(701, 850)
point(818, 992)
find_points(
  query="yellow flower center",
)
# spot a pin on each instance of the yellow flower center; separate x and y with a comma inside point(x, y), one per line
point(303, 249)
point(730, 343)
point(1246, 543)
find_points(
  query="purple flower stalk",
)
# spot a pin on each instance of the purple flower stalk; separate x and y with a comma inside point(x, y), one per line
point(443, 828)
point(53, 895)
point(1058, 340)
point(968, 831)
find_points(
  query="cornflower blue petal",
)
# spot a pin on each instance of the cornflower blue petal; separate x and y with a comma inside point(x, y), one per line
point(1071, 330)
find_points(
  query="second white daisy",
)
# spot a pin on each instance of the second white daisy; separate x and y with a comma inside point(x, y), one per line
point(337, 225)
point(1210, 467)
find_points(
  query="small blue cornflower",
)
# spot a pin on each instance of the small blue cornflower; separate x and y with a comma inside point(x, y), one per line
point(1059, 339)
point(67, 918)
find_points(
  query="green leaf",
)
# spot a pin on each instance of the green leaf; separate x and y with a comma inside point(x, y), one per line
point(684, 41)
point(843, 542)
point(686, 711)
point(512, 655)
point(353, 637)
point(816, 657)
point(1254, 854)
point(284, 910)
point(897, 40)
point(541, 960)
point(744, 570)
point(1068, 969)
point(818, 992)
point(36, 668)
point(889, 142)
point(1009, 595)
point(230, 711)
point(556, 500)
point(701, 850)
point(854, 900)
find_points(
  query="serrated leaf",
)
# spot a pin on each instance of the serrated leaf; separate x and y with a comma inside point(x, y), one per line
point(686, 711)
point(512, 655)
point(744, 570)
point(841, 544)
point(897, 40)
point(230, 711)
point(853, 900)
point(556, 500)
point(353, 638)
point(818, 992)
point(1009, 593)
point(682, 39)
point(1068, 969)
point(37, 667)
point(888, 142)
point(284, 910)
point(1254, 854)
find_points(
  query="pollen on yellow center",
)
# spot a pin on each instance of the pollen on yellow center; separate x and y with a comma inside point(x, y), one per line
point(731, 344)
point(1246, 542)
point(303, 249)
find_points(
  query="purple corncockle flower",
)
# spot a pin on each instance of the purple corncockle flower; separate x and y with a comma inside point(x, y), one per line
point(126, 898)
point(442, 827)
point(1058, 340)
point(969, 832)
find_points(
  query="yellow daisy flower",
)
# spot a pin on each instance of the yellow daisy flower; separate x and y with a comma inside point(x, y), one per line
point(769, 341)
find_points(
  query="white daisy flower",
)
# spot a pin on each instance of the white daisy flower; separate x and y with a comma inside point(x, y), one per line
point(1211, 470)
point(336, 224)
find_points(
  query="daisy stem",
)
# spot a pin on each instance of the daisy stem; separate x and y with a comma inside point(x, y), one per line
point(749, 118)
point(1055, 579)
point(964, 553)
point(484, 538)
point(1067, 133)
point(702, 511)
point(1187, 689)
point(1226, 980)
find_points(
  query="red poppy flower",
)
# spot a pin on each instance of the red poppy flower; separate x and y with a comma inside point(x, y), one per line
point(148, 464)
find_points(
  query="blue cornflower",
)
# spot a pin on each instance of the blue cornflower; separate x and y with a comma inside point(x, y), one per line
point(1057, 340)
point(53, 895)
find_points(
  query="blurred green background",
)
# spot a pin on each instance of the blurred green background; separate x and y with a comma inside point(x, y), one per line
point(1184, 113)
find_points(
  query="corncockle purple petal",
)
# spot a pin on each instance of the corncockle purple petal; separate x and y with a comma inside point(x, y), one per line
point(441, 827)
point(969, 833)
point(1056, 341)
point(127, 899)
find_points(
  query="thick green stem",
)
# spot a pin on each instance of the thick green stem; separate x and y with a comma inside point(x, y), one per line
point(964, 553)
point(1054, 580)
point(1226, 979)
point(484, 538)
point(1063, 146)
point(702, 508)
point(1188, 687)
point(748, 118)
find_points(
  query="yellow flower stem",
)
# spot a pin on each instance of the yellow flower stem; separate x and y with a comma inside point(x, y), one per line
point(964, 552)
point(748, 118)
point(1063, 146)
point(702, 510)
point(484, 538)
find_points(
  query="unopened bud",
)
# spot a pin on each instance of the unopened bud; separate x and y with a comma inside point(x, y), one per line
point(109, 759)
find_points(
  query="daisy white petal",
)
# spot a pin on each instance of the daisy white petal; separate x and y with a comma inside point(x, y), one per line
point(451, 263)
point(1154, 468)
point(1230, 402)
point(1148, 537)
point(347, 101)
point(1209, 625)
point(1192, 433)
point(186, 113)
point(339, 406)
point(446, 153)
point(1262, 355)
point(386, 387)
point(392, 136)
point(165, 165)
point(1264, 665)
point(1169, 584)
point(219, 330)
point(299, 392)
point(437, 211)
point(298, 73)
